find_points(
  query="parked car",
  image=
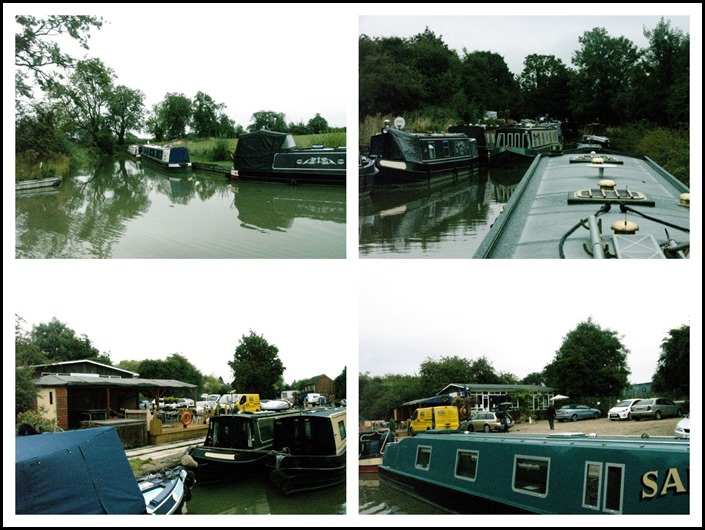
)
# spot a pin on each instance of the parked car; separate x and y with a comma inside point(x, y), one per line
point(185, 403)
point(575, 412)
point(656, 408)
point(682, 429)
point(145, 405)
point(622, 410)
point(487, 422)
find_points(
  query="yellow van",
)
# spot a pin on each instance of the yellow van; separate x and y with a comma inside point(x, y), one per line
point(434, 418)
point(234, 403)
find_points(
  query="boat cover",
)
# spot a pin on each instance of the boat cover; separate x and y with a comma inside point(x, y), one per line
point(396, 145)
point(75, 472)
point(256, 150)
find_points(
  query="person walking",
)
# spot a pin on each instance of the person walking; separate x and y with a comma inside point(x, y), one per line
point(550, 415)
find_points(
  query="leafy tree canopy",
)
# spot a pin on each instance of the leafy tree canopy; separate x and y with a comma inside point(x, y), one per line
point(672, 375)
point(256, 366)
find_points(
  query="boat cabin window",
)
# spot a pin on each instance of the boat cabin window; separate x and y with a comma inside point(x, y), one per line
point(615, 488)
point(423, 457)
point(266, 432)
point(289, 142)
point(466, 464)
point(341, 429)
point(446, 149)
point(531, 475)
point(431, 150)
point(592, 486)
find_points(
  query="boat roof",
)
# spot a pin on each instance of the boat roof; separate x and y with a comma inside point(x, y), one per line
point(573, 439)
point(75, 472)
point(558, 191)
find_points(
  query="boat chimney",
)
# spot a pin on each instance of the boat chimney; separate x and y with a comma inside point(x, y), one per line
point(685, 199)
point(607, 185)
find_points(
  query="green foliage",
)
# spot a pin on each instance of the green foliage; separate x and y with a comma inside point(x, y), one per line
point(60, 343)
point(204, 119)
point(380, 395)
point(169, 118)
point(317, 125)
point(435, 375)
point(340, 385)
point(126, 111)
point(591, 361)
point(176, 366)
point(36, 50)
point(267, 119)
point(35, 419)
point(256, 366)
point(544, 84)
point(672, 375)
point(221, 151)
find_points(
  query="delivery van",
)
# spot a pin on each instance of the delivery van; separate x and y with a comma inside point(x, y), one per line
point(434, 418)
point(233, 403)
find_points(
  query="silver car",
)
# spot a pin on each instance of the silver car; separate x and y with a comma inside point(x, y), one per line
point(656, 408)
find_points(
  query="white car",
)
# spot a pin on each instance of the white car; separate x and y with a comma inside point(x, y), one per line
point(682, 429)
point(622, 410)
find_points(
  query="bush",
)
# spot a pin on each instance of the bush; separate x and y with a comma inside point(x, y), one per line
point(34, 418)
point(220, 151)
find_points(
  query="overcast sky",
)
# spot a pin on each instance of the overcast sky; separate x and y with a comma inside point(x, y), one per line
point(251, 58)
point(515, 37)
point(516, 315)
point(149, 309)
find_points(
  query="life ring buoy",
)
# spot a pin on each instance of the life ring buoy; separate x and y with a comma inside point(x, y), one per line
point(464, 412)
point(186, 418)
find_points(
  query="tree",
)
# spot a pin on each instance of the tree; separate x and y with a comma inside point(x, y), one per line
point(317, 125)
point(256, 366)
point(267, 119)
point(339, 385)
point(38, 55)
point(534, 378)
point(126, 111)
point(591, 361)
point(602, 84)
point(60, 343)
point(672, 375)
point(380, 395)
point(27, 354)
point(204, 120)
point(86, 100)
point(170, 117)
point(435, 375)
point(544, 85)
point(487, 81)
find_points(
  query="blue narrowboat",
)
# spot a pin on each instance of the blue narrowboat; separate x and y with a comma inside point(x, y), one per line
point(167, 156)
point(569, 473)
point(593, 204)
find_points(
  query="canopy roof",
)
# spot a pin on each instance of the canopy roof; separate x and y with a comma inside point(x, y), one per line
point(54, 380)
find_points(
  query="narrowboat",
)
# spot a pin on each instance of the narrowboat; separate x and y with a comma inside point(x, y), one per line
point(167, 156)
point(273, 156)
point(87, 472)
point(405, 158)
point(134, 150)
point(367, 171)
point(372, 445)
point(569, 473)
point(235, 446)
point(593, 205)
point(525, 140)
point(309, 450)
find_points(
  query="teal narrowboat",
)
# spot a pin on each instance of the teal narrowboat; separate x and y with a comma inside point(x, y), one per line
point(569, 473)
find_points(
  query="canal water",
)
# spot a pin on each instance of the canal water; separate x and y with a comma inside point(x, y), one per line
point(130, 209)
point(256, 495)
point(446, 221)
point(377, 497)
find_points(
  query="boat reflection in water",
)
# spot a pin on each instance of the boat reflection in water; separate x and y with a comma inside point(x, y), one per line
point(256, 495)
point(274, 206)
point(379, 498)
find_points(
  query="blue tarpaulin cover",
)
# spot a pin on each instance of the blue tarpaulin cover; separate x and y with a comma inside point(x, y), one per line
point(75, 472)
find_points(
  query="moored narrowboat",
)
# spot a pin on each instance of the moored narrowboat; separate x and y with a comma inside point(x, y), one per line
point(367, 172)
point(309, 450)
point(593, 204)
point(570, 473)
point(372, 445)
point(273, 156)
point(405, 158)
point(167, 156)
point(235, 446)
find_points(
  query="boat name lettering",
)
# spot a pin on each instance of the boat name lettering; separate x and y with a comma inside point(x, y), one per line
point(649, 481)
point(319, 160)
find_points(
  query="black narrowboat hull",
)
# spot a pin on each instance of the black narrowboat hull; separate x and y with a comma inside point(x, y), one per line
point(223, 466)
point(392, 173)
point(325, 166)
point(293, 474)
